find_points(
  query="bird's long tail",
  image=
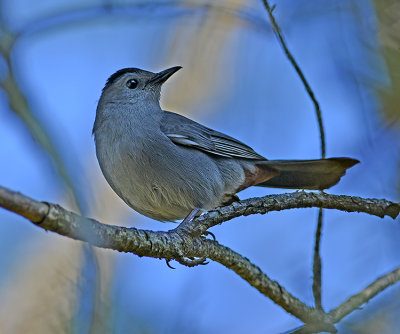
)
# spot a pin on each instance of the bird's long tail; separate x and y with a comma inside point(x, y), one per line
point(306, 174)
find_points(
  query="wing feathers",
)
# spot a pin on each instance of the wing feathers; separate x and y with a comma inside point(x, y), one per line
point(183, 131)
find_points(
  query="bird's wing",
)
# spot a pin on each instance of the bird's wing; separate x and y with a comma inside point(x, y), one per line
point(183, 131)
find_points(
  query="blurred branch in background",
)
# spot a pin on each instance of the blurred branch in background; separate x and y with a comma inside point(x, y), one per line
point(19, 105)
point(388, 15)
point(208, 27)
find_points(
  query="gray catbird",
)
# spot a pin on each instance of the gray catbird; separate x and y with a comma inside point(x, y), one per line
point(168, 167)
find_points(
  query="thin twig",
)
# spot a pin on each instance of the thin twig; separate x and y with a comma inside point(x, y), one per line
point(317, 281)
point(365, 295)
point(300, 73)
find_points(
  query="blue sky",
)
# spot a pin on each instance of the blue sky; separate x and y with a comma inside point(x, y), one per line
point(251, 93)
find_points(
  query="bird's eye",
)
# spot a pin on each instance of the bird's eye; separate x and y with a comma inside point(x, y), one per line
point(131, 83)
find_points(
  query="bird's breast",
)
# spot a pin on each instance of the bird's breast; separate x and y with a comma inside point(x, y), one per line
point(156, 177)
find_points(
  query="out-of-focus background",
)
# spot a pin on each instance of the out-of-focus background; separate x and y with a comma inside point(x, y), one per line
point(58, 54)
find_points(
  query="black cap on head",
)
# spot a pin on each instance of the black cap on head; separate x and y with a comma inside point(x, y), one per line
point(120, 72)
point(153, 78)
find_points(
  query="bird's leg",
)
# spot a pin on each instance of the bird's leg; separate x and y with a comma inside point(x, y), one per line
point(190, 216)
point(186, 226)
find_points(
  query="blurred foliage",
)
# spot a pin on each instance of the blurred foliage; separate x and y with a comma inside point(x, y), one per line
point(201, 45)
point(41, 296)
point(388, 15)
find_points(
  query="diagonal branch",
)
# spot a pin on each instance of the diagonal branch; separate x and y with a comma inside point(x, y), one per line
point(168, 245)
point(365, 295)
point(18, 103)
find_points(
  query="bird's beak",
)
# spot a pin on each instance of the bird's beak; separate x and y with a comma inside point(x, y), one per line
point(161, 77)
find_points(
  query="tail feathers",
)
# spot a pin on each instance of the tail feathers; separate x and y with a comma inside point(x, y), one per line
point(307, 174)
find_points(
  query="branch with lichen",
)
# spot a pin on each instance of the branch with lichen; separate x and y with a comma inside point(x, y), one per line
point(187, 241)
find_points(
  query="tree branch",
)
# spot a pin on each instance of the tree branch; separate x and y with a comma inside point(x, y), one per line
point(317, 280)
point(299, 199)
point(22, 205)
point(365, 295)
point(18, 103)
point(174, 244)
point(186, 242)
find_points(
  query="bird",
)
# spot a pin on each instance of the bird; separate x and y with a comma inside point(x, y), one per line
point(168, 167)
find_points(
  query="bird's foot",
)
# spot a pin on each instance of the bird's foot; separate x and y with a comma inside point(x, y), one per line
point(206, 233)
point(192, 262)
point(168, 261)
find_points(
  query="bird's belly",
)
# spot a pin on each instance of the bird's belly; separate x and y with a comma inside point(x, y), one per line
point(162, 182)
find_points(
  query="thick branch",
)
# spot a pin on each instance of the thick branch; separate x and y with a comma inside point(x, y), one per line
point(26, 207)
point(168, 245)
point(181, 243)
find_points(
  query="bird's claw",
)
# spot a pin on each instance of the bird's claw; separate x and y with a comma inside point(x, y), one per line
point(206, 233)
point(168, 263)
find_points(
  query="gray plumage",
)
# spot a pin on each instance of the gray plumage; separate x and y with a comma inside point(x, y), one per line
point(164, 165)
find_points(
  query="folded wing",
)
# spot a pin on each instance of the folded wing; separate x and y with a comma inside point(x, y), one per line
point(183, 131)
